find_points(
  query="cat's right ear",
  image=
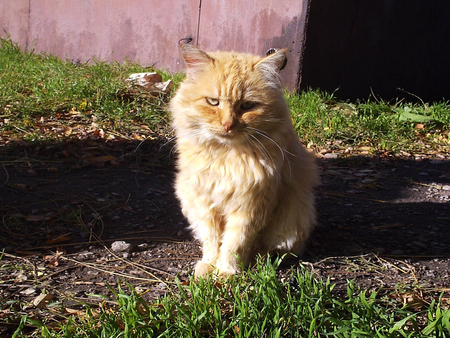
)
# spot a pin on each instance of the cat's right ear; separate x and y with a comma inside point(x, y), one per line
point(195, 59)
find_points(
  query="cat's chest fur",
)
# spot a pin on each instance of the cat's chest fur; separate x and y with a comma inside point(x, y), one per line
point(227, 172)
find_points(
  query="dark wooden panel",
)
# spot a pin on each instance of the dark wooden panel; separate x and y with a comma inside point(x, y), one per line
point(354, 45)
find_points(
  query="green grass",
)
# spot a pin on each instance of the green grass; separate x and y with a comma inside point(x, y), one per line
point(254, 304)
point(36, 87)
point(323, 121)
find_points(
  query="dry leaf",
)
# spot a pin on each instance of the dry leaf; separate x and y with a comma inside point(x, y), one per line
point(364, 148)
point(41, 300)
point(28, 291)
point(413, 301)
point(76, 312)
point(59, 239)
point(141, 79)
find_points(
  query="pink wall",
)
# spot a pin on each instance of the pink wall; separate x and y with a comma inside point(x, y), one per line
point(255, 26)
point(14, 20)
point(148, 30)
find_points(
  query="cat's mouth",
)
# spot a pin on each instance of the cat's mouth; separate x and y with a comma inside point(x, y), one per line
point(228, 136)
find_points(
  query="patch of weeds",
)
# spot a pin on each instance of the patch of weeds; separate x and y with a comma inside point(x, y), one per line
point(322, 121)
point(38, 88)
point(257, 303)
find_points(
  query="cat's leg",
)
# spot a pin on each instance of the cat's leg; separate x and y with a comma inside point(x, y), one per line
point(236, 245)
point(207, 228)
point(204, 222)
point(209, 236)
point(291, 224)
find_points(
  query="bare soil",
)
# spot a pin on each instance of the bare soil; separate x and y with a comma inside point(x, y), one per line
point(78, 215)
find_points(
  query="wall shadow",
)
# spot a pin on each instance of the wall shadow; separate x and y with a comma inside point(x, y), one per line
point(354, 46)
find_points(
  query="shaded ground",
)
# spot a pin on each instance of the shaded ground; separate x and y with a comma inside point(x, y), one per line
point(383, 221)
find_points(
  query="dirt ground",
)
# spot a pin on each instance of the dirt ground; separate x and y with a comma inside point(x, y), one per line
point(80, 214)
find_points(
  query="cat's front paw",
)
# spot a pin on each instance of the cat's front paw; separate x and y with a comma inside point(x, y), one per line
point(202, 269)
point(227, 268)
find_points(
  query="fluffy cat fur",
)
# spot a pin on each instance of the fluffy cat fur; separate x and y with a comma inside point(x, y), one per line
point(244, 180)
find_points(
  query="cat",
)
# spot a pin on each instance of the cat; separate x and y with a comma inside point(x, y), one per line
point(244, 180)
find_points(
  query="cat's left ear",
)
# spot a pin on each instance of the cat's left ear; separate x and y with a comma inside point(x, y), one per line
point(274, 61)
point(196, 59)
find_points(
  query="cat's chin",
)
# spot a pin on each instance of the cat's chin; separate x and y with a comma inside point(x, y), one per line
point(228, 138)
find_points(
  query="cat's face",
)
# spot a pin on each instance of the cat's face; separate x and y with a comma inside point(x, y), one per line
point(228, 97)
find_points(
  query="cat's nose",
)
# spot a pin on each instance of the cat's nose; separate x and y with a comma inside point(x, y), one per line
point(228, 126)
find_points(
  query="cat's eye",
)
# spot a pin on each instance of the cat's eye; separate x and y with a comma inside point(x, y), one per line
point(212, 102)
point(247, 105)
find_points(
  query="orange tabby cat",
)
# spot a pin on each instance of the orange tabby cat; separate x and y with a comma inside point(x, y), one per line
point(244, 180)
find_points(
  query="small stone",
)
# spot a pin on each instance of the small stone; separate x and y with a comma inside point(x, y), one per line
point(331, 156)
point(143, 246)
point(120, 246)
point(162, 286)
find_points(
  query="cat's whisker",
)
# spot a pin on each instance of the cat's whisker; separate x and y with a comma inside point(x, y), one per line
point(282, 150)
point(273, 120)
point(267, 137)
point(263, 134)
point(290, 170)
point(192, 134)
point(168, 141)
point(172, 151)
point(139, 145)
point(261, 147)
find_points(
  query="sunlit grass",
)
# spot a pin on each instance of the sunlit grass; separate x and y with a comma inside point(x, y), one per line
point(256, 303)
point(36, 87)
point(322, 121)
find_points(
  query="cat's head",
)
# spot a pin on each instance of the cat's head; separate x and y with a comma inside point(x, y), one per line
point(229, 97)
